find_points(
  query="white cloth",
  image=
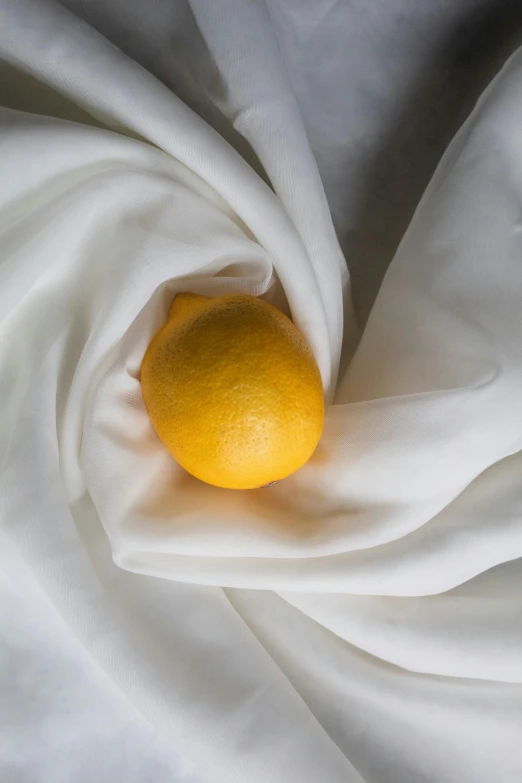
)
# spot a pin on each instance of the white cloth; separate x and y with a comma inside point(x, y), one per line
point(361, 620)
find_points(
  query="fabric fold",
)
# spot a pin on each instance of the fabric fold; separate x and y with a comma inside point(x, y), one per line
point(359, 621)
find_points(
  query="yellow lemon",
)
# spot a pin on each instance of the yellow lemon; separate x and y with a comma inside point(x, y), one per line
point(233, 390)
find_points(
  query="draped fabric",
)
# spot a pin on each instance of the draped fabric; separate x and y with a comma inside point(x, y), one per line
point(361, 620)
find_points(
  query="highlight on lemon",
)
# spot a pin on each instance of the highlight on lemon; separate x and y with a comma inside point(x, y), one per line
point(233, 390)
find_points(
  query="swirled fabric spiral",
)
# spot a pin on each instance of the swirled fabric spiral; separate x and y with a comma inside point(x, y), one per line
point(361, 620)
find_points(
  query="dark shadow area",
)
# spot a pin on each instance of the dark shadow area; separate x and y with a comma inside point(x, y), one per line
point(445, 93)
point(454, 73)
point(23, 92)
point(175, 52)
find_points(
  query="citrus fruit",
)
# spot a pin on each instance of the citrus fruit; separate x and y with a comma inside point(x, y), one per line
point(233, 390)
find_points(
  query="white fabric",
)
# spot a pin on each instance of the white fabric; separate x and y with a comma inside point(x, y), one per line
point(361, 620)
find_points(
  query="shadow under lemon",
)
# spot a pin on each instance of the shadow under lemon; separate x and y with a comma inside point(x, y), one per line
point(288, 510)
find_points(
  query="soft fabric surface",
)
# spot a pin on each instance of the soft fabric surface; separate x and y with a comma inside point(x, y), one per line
point(360, 621)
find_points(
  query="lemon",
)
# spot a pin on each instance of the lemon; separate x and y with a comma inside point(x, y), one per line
point(233, 390)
